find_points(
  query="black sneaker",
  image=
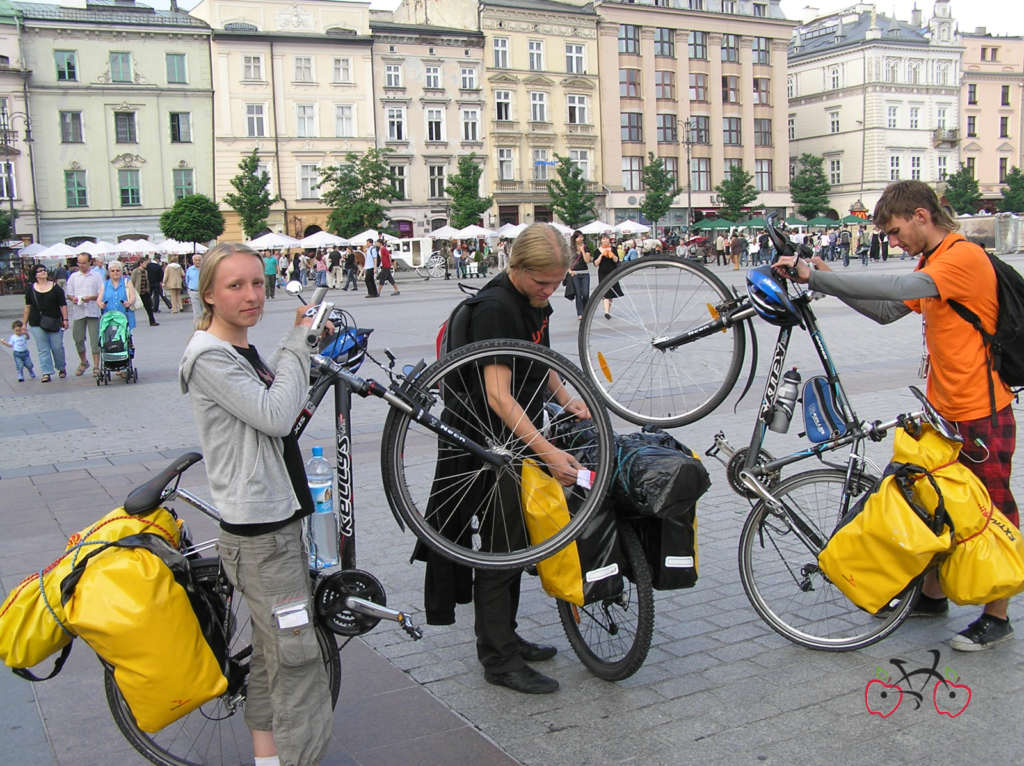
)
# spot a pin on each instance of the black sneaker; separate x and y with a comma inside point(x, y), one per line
point(926, 606)
point(526, 680)
point(984, 633)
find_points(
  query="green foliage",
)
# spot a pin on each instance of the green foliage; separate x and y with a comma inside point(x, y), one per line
point(962, 191)
point(251, 198)
point(1013, 192)
point(464, 190)
point(6, 225)
point(660, 189)
point(358, 190)
point(570, 199)
point(809, 188)
point(735, 193)
point(194, 218)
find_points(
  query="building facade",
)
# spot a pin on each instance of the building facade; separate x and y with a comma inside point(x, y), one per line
point(705, 81)
point(295, 82)
point(991, 94)
point(17, 179)
point(120, 97)
point(542, 97)
point(430, 111)
point(877, 98)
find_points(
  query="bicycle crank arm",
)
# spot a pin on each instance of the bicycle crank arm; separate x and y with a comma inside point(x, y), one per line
point(370, 609)
point(721, 450)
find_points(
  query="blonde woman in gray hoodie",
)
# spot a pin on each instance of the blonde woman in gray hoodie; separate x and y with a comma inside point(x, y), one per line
point(244, 410)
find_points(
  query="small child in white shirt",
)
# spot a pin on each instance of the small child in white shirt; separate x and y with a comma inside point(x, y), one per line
point(18, 343)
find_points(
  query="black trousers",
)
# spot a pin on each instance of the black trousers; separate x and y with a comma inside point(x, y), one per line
point(371, 284)
point(495, 603)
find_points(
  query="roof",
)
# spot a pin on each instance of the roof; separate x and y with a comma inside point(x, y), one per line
point(821, 35)
point(548, 6)
point(108, 12)
point(421, 29)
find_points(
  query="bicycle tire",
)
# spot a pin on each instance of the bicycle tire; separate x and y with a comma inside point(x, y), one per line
point(595, 631)
point(661, 297)
point(817, 615)
point(214, 733)
point(451, 389)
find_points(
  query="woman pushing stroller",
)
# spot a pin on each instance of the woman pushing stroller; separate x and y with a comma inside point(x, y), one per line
point(116, 346)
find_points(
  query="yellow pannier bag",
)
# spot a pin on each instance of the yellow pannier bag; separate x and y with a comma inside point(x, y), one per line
point(546, 512)
point(987, 561)
point(886, 541)
point(134, 602)
point(32, 621)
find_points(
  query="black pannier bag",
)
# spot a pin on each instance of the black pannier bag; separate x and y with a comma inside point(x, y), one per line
point(601, 557)
point(670, 547)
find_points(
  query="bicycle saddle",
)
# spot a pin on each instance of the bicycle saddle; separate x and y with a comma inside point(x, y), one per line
point(146, 497)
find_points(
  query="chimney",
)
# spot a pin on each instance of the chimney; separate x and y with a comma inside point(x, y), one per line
point(981, 30)
point(916, 19)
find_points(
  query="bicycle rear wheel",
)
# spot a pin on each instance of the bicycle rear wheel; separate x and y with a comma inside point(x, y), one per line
point(780, 572)
point(214, 733)
point(472, 512)
point(612, 637)
point(661, 297)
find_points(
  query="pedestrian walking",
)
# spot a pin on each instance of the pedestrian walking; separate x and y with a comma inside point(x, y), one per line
point(192, 285)
point(140, 281)
point(606, 261)
point(155, 274)
point(350, 269)
point(83, 293)
point(370, 258)
point(334, 270)
point(46, 316)
point(386, 267)
point(580, 266)
point(18, 343)
point(174, 279)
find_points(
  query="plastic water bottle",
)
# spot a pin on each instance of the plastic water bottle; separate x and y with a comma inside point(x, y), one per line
point(323, 523)
point(785, 401)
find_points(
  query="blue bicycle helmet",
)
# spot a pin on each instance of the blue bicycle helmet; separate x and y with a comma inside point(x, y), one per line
point(769, 298)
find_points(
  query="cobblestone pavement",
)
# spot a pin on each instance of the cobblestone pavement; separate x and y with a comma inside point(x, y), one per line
point(718, 685)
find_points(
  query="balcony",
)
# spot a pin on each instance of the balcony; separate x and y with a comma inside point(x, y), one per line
point(942, 136)
point(505, 126)
point(506, 185)
point(576, 127)
point(539, 185)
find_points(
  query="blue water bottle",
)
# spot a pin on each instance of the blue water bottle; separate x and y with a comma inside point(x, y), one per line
point(322, 529)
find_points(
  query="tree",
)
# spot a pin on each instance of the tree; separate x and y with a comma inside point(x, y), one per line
point(6, 225)
point(358, 190)
point(251, 198)
point(962, 191)
point(1013, 192)
point(464, 189)
point(570, 199)
point(194, 218)
point(735, 193)
point(660, 189)
point(809, 188)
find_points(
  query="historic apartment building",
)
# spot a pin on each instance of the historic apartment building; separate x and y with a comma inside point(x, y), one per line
point(430, 110)
point(295, 82)
point(878, 98)
point(120, 100)
point(542, 96)
point(707, 80)
point(17, 181)
point(991, 94)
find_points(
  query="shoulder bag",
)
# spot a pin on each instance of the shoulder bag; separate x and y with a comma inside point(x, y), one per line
point(46, 322)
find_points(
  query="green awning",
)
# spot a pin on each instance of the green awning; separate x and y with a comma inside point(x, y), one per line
point(795, 220)
point(823, 221)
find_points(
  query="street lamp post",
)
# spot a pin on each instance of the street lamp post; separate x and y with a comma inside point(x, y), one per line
point(688, 143)
point(6, 137)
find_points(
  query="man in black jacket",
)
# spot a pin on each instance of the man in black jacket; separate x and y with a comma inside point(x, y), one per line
point(155, 276)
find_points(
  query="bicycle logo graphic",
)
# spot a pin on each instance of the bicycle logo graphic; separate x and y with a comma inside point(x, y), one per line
point(883, 696)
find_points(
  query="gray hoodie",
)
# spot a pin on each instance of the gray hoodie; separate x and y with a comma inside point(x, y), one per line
point(241, 421)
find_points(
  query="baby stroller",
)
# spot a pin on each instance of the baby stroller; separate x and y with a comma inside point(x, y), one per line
point(116, 348)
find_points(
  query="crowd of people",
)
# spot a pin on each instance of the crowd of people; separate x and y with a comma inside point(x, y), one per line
point(334, 268)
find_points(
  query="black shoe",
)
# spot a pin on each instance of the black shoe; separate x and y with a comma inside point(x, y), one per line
point(532, 652)
point(984, 633)
point(525, 680)
point(926, 606)
point(154, 324)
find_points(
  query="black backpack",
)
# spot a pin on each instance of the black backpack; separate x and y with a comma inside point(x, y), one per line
point(844, 237)
point(1006, 346)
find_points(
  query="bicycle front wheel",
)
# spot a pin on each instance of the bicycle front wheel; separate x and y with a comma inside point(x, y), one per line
point(470, 511)
point(655, 298)
point(214, 733)
point(780, 573)
point(612, 636)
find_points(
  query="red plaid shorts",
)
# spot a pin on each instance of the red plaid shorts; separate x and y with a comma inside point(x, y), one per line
point(991, 463)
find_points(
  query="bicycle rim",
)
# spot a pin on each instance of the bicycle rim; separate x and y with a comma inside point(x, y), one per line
point(215, 733)
point(661, 298)
point(612, 636)
point(471, 512)
point(781, 577)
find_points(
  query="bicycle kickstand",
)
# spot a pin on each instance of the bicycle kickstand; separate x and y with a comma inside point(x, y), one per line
point(370, 609)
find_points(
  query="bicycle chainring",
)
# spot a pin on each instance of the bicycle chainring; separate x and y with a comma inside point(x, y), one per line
point(329, 601)
point(735, 465)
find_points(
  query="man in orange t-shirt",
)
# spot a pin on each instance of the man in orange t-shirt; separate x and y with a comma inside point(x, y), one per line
point(949, 268)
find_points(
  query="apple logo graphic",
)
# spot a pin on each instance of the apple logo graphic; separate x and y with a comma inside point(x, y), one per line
point(883, 699)
point(951, 699)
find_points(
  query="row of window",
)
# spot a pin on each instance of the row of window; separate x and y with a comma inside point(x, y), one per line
point(542, 162)
point(76, 190)
point(891, 71)
point(700, 172)
point(892, 120)
point(120, 62)
point(898, 170)
point(696, 44)
point(972, 126)
point(575, 61)
point(125, 127)
point(972, 94)
point(631, 129)
point(664, 87)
